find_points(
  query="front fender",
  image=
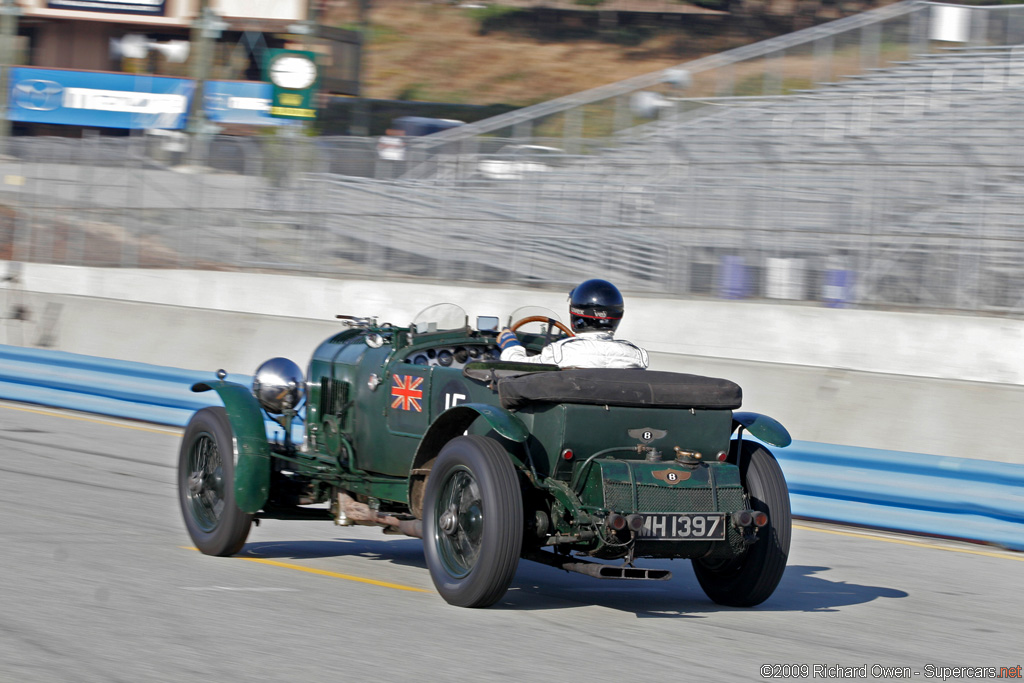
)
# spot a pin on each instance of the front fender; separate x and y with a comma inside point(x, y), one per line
point(765, 428)
point(251, 449)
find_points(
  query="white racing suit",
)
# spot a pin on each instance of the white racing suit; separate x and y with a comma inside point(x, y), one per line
point(585, 350)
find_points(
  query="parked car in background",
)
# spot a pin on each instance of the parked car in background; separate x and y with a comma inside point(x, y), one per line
point(514, 162)
point(391, 145)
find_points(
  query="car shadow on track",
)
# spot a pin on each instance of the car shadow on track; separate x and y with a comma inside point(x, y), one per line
point(399, 550)
point(801, 590)
point(538, 587)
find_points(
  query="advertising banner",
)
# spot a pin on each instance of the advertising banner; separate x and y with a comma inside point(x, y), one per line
point(147, 7)
point(284, 10)
point(112, 100)
point(103, 100)
point(245, 102)
point(295, 79)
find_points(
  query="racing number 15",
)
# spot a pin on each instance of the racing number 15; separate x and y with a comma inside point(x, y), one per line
point(453, 400)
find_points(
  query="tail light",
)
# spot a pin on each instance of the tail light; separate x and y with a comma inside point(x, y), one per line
point(616, 521)
point(747, 518)
point(743, 518)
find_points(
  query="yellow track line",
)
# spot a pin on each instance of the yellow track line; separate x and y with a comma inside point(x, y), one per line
point(916, 544)
point(112, 423)
point(324, 572)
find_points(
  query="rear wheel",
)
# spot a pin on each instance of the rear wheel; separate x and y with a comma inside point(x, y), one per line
point(472, 522)
point(206, 488)
point(751, 578)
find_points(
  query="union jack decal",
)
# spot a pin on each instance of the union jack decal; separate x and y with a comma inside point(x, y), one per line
point(406, 393)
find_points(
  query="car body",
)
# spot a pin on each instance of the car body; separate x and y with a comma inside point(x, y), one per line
point(515, 162)
point(392, 145)
point(422, 430)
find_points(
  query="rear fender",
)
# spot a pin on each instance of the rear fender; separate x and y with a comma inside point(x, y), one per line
point(450, 424)
point(765, 428)
point(251, 449)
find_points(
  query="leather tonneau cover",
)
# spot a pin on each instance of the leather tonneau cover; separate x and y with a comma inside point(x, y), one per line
point(615, 387)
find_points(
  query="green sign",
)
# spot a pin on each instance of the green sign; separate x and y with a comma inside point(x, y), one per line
point(294, 77)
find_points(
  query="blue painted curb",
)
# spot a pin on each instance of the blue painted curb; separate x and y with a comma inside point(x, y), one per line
point(977, 500)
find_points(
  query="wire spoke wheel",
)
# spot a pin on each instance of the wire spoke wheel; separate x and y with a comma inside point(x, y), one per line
point(206, 485)
point(473, 521)
point(462, 523)
point(751, 578)
point(205, 482)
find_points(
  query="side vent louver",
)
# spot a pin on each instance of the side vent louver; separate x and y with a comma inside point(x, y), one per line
point(333, 396)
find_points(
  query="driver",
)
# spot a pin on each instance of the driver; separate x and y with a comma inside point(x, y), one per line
point(595, 309)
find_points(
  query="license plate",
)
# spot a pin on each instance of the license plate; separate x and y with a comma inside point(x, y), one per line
point(687, 526)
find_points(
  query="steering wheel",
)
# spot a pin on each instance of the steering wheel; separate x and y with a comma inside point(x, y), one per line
point(551, 322)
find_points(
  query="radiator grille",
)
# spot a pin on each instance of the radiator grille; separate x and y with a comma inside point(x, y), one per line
point(651, 498)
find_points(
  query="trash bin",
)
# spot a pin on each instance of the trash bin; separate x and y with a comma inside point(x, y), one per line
point(734, 279)
point(837, 290)
point(784, 278)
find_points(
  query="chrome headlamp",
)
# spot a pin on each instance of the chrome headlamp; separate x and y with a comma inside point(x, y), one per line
point(278, 385)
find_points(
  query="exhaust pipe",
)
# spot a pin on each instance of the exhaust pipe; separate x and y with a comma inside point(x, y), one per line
point(350, 511)
point(599, 571)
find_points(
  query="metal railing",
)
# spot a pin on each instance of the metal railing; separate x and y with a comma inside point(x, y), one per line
point(897, 185)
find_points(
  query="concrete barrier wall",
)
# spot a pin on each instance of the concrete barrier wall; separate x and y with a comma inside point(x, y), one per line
point(942, 385)
point(955, 347)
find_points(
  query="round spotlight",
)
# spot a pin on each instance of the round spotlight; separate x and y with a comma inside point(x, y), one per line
point(277, 385)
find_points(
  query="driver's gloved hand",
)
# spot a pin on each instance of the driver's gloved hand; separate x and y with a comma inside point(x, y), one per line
point(507, 338)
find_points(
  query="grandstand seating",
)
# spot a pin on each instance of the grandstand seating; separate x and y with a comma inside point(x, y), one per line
point(911, 175)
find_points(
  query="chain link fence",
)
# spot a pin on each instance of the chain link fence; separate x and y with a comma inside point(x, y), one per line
point(898, 185)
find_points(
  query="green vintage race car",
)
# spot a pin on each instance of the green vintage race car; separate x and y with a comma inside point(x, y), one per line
point(421, 430)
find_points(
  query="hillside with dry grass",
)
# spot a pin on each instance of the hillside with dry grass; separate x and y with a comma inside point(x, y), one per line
point(443, 52)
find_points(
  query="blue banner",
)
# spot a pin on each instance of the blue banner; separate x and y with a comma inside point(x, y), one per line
point(116, 100)
point(102, 100)
point(245, 102)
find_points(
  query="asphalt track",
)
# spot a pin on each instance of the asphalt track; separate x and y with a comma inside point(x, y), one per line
point(98, 583)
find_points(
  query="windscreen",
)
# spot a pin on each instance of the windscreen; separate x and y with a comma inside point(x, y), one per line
point(440, 318)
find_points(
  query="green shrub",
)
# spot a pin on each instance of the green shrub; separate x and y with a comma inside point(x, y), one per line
point(412, 91)
point(496, 17)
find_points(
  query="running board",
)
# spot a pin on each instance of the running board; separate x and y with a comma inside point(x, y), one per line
point(599, 571)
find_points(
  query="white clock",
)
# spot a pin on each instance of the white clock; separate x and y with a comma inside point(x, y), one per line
point(292, 71)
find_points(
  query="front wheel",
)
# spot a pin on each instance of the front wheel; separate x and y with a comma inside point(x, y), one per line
point(751, 578)
point(472, 522)
point(206, 485)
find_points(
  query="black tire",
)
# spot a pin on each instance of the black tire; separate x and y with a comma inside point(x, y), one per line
point(472, 522)
point(206, 488)
point(751, 578)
